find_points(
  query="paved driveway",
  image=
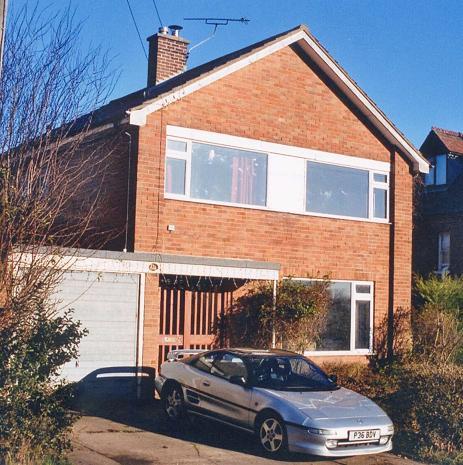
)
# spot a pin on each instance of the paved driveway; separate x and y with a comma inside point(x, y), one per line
point(131, 435)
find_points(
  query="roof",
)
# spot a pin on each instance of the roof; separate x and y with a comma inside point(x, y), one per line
point(145, 101)
point(452, 140)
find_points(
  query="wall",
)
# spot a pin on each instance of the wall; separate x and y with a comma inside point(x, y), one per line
point(278, 99)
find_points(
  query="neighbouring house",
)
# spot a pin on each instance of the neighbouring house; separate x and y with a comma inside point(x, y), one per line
point(266, 163)
point(438, 234)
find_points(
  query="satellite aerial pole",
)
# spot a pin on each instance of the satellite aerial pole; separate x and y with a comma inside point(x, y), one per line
point(3, 11)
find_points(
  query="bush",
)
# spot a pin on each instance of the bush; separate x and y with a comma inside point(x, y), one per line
point(424, 401)
point(33, 404)
point(297, 318)
point(437, 321)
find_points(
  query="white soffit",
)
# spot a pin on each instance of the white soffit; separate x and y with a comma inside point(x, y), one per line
point(327, 64)
point(218, 271)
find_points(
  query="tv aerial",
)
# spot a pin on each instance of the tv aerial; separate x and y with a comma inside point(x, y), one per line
point(216, 22)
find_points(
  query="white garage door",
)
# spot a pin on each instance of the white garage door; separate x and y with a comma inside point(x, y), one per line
point(107, 306)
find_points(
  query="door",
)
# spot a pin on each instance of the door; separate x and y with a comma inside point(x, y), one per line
point(224, 400)
point(189, 317)
point(107, 306)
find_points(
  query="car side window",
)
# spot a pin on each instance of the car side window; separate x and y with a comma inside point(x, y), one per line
point(228, 365)
point(204, 363)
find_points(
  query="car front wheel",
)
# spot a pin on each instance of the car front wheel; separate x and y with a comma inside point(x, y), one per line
point(272, 434)
point(173, 403)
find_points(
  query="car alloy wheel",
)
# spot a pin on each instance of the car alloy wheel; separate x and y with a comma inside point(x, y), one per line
point(272, 435)
point(173, 403)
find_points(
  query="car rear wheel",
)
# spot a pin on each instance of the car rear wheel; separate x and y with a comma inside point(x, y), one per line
point(272, 434)
point(173, 403)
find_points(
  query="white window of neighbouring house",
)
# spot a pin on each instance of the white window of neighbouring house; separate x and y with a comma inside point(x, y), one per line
point(221, 169)
point(349, 321)
point(438, 171)
point(443, 252)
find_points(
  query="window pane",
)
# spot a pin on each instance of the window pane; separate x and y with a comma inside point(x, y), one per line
point(177, 145)
point(228, 365)
point(336, 335)
point(362, 322)
point(362, 288)
point(444, 251)
point(228, 175)
point(175, 176)
point(441, 169)
point(429, 177)
point(380, 203)
point(380, 177)
point(337, 190)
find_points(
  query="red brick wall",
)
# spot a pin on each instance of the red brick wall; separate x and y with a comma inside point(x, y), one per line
point(278, 99)
point(167, 57)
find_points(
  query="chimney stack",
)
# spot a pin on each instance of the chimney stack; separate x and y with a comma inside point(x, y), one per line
point(168, 53)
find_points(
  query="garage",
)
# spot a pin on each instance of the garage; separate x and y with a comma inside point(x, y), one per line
point(107, 305)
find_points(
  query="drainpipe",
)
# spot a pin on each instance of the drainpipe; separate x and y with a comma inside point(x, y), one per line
point(274, 305)
point(127, 206)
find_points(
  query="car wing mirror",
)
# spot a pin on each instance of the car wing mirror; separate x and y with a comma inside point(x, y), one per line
point(333, 378)
point(238, 380)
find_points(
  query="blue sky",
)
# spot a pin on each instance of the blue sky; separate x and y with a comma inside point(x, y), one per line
point(406, 54)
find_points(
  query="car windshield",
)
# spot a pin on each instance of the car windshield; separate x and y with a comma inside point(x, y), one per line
point(289, 374)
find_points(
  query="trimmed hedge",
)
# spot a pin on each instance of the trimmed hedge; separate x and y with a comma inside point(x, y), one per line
point(424, 401)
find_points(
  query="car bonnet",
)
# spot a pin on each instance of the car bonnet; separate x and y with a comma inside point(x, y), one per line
point(337, 404)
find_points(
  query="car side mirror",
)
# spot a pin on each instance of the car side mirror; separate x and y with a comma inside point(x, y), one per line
point(238, 380)
point(333, 378)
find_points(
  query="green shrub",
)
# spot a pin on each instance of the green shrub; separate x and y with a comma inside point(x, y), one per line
point(424, 401)
point(437, 320)
point(33, 403)
point(297, 318)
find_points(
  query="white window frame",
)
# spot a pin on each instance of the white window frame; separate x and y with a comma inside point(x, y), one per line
point(355, 296)
point(372, 184)
point(442, 267)
point(274, 150)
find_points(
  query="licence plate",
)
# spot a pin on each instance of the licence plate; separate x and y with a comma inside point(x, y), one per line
point(365, 435)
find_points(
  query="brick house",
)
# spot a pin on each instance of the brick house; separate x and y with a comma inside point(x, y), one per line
point(266, 163)
point(438, 234)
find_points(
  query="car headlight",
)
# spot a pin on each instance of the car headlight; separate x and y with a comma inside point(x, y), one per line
point(390, 429)
point(322, 432)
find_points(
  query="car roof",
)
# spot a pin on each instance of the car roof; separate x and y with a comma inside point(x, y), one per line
point(246, 352)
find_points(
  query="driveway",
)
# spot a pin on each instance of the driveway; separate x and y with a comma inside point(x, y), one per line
point(137, 435)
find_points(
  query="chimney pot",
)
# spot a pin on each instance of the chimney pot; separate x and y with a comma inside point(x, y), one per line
point(163, 30)
point(175, 29)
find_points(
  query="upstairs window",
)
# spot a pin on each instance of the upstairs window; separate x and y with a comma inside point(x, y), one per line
point(344, 191)
point(443, 264)
point(220, 169)
point(216, 173)
point(437, 172)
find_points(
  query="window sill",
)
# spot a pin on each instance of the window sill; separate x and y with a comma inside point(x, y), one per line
point(264, 208)
point(327, 353)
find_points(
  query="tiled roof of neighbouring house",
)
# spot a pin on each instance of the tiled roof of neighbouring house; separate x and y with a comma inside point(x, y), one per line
point(452, 140)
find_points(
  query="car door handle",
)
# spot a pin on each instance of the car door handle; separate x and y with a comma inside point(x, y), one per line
point(206, 383)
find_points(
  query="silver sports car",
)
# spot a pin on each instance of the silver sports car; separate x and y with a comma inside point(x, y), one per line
point(282, 397)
